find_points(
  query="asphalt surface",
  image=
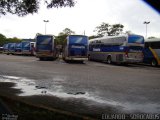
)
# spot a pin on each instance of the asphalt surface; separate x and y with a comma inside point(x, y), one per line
point(99, 86)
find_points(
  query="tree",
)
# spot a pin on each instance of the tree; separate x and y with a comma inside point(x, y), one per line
point(2, 37)
point(110, 30)
point(60, 39)
point(102, 30)
point(151, 37)
point(24, 7)
point(4, 40)
point(115, 29)
point(68, 31)
point(92, 37)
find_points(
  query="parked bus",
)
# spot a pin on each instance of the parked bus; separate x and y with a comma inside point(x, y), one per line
point(118, 49)
point(75, 48)
point(45, 47)
point(11, 48)
point(5, 48)
point(25, 48)
point(18, 48)
point(28, 48)
point(152, 51)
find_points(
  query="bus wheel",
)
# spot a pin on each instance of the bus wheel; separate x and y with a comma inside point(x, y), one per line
point(109, 60)
point(154, 63)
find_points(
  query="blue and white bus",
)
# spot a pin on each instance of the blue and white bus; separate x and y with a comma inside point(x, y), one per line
point(45, 47)
point(25, 48)
point(75, 48)
point(18, 49)
point(11, 48)
point(152, 51)
point(5, 48)
point(28, 48)
point(117, 49)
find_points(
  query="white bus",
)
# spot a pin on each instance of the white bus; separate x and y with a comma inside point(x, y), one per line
point(118, 49)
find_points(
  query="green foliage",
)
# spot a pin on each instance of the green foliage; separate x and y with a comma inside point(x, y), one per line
point(68, 31)
point(60, 39)
point(92, 37)
point(116, 29)
point(24, 7)
point(107, 29)
point(4, 40)
point(102, 29)
point(151, 37)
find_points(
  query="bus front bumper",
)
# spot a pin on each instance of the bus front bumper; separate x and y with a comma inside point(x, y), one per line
point(133, 60)
point(76, 58)
point(38, 55)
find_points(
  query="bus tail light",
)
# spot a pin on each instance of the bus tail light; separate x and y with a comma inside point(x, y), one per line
point(142, 55)
point(126, 53)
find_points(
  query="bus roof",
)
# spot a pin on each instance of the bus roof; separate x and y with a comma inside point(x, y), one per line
point(44, 35)
point(107, 37)
point(77, 35)
point(152, 40)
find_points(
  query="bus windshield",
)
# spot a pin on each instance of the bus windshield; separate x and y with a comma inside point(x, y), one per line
point(78, 40)
point(12, 45)
point(44, 40)
point(18, 45)
point(27, 45)
point(136, 39)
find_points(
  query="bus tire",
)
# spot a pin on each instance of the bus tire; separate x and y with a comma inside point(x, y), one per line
point(154, 62)
point(109, 60)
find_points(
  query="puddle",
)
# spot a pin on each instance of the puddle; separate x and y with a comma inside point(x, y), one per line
point(76, 93)
point(29, 87)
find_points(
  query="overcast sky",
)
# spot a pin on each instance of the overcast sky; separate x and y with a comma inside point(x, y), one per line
point(86, 15)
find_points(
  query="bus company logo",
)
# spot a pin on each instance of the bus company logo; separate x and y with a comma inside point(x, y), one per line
point(79, 47)
point(96, 49)
point(9, 117)
point(121, 48)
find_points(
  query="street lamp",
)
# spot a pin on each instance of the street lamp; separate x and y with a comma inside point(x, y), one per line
point(45, 24)
point(145, 22)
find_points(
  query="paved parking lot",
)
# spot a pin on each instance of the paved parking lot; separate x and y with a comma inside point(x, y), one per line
point(91, 87)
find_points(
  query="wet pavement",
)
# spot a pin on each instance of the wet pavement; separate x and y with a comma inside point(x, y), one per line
point(127, 89)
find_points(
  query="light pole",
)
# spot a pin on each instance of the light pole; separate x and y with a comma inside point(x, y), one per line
point(145, 22)
point(45, 24)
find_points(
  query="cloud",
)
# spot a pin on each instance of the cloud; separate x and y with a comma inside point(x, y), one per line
point(86, 15)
